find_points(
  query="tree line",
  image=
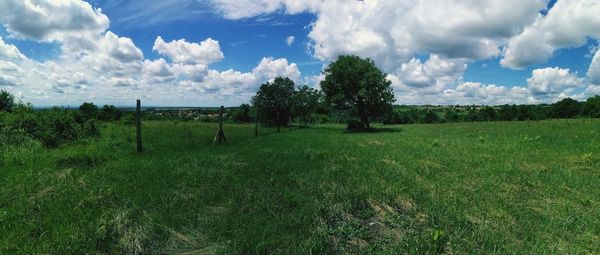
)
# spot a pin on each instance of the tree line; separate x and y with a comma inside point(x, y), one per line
point(355, 91)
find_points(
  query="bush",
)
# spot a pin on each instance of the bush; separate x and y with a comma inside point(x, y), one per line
point(90, 129)
point(88, 111)
point(7, 101)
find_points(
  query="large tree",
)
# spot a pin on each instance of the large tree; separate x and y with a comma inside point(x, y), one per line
point(273, 101)
point(357, 86)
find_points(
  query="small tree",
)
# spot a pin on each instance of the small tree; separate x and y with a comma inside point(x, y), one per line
point(7, 101)
point(306, 100)
point(273, 101)
point(109, 112)
point(88, 111)
point(430, 116)
point(242, 114)
point(357, 86)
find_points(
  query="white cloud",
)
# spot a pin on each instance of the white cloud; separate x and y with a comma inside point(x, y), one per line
point(436, 72)
point(181, 51)
point(157, 67)
point(9, 51)
point(44, 20)
point(270, 68)
point(290, 40)
point(549, 82)
point(594, 70)
point(120, 48)
point(489, 94)
point(592, 90)
point(568, 24)
point(391, 31)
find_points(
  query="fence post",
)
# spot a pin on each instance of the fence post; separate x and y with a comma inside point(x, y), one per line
point(138, 125)
point(220, 134)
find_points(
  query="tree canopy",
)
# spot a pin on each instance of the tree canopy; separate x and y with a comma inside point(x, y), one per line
point(306, 100)
point(273, 101)
point(592, 107)
point(566, 108)
point(357, 86)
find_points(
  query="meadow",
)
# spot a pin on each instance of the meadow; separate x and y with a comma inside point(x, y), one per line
point(456, 188)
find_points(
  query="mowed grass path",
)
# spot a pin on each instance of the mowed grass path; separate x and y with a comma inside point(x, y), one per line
point(482, 188)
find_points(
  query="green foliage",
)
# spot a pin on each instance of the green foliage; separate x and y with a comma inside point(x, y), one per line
point(7, 101)
point(52, 127)
point(357, 86)
point(592, 107)
point(305, 102)
point(273, 102)
point(566, 108)
point(431, 117)
point(108, 113)
point(242, 114)
point(88, 111)
point(458, 188)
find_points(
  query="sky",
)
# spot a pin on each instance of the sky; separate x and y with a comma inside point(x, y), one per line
point(219, 52)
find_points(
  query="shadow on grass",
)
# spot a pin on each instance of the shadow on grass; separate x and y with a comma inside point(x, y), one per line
point(343, 129)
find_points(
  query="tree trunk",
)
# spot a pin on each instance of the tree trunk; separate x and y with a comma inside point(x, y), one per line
point(365, 121)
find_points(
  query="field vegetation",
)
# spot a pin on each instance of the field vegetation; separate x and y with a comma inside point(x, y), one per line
point(503, 187)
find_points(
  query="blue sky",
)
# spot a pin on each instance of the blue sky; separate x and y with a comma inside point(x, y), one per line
point(436, 52)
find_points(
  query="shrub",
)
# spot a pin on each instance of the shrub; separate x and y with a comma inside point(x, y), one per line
point(88, 111)
point(7, 101)
point(90, 129)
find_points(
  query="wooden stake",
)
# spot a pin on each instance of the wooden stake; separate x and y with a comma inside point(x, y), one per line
point(138, 124)
point(220, 136)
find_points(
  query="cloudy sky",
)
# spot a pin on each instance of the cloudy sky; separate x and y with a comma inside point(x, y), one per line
point(218, 52)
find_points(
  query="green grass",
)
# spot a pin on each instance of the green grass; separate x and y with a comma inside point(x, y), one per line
point(481, 188)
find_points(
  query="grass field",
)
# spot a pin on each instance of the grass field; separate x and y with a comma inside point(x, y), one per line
point(483, 188)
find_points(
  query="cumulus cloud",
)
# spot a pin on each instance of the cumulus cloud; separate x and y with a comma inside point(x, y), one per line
point(290, 40)
point(567, 24)
point(553, 81)
point(270, 68)
point(592, 90)
point(594, 70)
point(51, 20)
point(489, 94)
point(9, 51)
point(181, 51)
point(436, 72)
point(391, 31)
point(97, 64)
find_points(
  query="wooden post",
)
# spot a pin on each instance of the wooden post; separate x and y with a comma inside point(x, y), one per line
point(220, 136)
point(138, 124)
point(278, 121)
